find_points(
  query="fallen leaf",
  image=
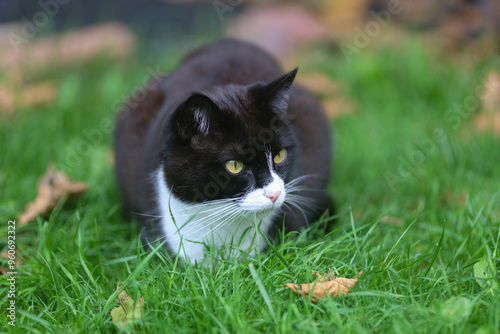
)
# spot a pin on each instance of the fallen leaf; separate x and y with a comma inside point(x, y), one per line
point(53, 186)
point(326, 285)
point(129, 310)
point(489, 117)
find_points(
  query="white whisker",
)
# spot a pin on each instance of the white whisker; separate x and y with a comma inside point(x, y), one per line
point(200, 211)
point(300, 179)
point(204, 222)
point(208, 203)
point(146, 215)
point(220, 225)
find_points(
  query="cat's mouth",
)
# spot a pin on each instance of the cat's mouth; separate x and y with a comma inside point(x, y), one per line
point(263, 202)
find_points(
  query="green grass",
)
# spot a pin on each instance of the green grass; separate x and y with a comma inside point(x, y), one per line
point(418, 274)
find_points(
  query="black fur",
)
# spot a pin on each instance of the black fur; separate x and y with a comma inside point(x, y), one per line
point(228, 100)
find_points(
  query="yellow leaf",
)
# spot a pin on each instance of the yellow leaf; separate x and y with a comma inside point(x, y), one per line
point(129, 310)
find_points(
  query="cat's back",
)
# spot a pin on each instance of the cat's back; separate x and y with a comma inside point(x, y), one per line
point(224, 62)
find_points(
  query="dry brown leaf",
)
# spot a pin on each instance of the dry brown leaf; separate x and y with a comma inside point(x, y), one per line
point(489, 117)
point(4, 271)
point(129, 310)
point(327, 285)
point(53, 186)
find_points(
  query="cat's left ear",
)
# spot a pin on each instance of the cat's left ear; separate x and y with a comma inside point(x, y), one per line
point(197, 115)
point(276, 93)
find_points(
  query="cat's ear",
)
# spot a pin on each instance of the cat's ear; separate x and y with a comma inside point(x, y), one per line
point(197, 115)
point(276, 93)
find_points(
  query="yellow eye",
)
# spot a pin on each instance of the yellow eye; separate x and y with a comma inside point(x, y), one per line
point(280, 157)
point(234, 166)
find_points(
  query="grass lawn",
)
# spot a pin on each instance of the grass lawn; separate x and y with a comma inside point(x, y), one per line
point(407, 155)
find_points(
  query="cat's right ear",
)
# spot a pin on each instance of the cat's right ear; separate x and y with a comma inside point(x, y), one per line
point(195, 116)
point(276, 93)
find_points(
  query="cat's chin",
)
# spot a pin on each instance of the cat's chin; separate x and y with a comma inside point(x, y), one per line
point(260, 213)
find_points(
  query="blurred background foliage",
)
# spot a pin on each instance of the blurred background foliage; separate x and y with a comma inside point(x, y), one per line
point(161, 26)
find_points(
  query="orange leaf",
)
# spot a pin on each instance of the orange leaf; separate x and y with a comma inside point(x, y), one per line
point(326, 286)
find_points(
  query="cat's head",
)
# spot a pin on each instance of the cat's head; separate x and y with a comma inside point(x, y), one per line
point(235, 142)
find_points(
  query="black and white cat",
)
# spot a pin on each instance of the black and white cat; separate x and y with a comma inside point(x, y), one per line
point(223, 145)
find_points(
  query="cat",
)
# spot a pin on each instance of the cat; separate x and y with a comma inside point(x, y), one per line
point(224, 145)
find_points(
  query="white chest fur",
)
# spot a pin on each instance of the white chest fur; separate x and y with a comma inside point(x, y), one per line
point(188, 228)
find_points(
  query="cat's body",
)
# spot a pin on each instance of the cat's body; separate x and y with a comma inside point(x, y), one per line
point(223, 143)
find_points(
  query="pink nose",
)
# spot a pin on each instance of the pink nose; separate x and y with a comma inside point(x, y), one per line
point(274, 196)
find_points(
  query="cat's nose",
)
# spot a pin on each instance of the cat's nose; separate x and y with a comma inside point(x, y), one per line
point(274, 196)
